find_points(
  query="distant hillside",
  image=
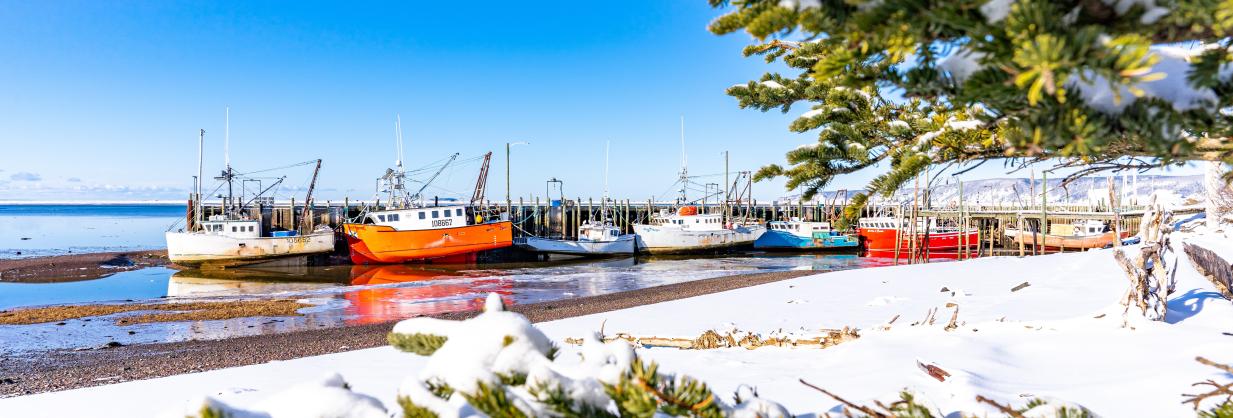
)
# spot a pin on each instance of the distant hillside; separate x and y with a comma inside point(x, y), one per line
point(1174, 190)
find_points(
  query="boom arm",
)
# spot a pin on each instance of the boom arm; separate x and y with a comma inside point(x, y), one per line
point(481, 184)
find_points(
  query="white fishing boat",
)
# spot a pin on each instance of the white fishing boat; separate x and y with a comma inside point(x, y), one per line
point(687, 231)
point(595, 238)
point(233, 239)
point(690, 230)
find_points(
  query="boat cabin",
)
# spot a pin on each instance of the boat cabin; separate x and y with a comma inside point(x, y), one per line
point(235, 228)
point(598, 232)
point(799, 228)
point(704, 222)
point(413, 219)
point(1086, 228)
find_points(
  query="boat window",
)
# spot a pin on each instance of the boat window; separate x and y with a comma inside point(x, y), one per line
point(233, 229)
point(422, 215)
point(458, 212)
point(394, 218)
point(250, 228)
point(381, 217)
point(434, 214)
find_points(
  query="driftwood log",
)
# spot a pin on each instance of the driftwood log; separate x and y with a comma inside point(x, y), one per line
point(711, 340)
point(1218, 270)
point(1151, 271)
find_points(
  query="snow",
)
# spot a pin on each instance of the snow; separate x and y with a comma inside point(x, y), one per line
point(962, 63)
point(1059, 338)
point(814, 112)
point(1174, 65)
point(963, 125)
point(899, 123)
point(996, 10)
point(772, 84)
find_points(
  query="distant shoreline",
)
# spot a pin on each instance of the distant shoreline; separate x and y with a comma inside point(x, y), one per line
point(92, 203)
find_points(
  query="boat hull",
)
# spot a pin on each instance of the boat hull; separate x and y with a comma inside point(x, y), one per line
point(209, 251)
point(653, 239)
point(783, 240)
point(883, 239)
point(379, 244)
point(623, 245)
point(1030, 238)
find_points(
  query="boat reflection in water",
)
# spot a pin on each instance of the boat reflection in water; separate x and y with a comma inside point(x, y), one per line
point(253, 281)
point(392, 292)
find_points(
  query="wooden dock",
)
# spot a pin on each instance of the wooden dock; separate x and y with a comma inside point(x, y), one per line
point(540, 217)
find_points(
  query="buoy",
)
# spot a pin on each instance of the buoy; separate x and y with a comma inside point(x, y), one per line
point(687, 211)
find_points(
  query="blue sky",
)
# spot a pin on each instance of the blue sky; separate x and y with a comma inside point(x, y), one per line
point(103, 100)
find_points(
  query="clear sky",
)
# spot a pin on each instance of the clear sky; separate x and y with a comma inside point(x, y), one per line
point(103, 100)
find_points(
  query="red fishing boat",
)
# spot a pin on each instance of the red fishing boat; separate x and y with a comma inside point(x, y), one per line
point(881, 234)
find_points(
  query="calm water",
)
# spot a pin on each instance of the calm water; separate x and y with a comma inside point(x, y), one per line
point(40, 230)
point(339, 295)
point(349, 295)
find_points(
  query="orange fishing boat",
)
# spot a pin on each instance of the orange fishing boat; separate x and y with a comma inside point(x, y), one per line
point(408, 230)
point(438, 233)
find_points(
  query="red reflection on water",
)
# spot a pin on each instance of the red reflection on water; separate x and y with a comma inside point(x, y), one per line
point(939, 255)
point(380, 304)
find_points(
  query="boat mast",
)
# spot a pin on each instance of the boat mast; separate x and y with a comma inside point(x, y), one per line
point(227, 174)
point(197, 196)
point(684, 165)
point(603, 204)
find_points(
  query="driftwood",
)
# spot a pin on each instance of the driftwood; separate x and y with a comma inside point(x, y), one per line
point(1216, 269)
point(711, 340)
point(933, 371)
point(1151, 271)
point(1217, 389)
point(1005, 409)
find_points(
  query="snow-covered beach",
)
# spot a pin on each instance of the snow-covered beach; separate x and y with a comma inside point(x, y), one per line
point(1062, 336)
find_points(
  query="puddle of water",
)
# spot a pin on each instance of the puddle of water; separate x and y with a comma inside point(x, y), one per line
point(350, 295)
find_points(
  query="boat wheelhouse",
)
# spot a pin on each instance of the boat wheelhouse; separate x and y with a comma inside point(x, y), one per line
point(882, 233)
point(796, 234)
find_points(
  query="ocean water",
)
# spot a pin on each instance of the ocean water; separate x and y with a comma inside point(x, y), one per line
point(41, 230)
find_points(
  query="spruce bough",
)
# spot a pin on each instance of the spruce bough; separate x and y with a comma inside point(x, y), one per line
point(1095, 84)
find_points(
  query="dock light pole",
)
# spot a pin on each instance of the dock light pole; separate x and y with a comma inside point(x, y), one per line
point(509, 204)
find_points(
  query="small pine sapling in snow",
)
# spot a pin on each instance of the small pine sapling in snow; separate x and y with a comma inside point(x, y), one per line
point(329, 396)
point(499, 365)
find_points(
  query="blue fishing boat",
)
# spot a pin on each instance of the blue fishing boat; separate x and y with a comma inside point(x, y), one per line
point(801, 235)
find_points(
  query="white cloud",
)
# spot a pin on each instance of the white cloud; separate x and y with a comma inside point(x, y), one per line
point(24, 176)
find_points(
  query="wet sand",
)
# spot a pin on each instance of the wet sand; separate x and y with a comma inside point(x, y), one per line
point(62, 370)
point(76, 267)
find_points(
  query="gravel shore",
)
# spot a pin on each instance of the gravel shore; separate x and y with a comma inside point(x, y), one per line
point(62, 370)
point(76, 267)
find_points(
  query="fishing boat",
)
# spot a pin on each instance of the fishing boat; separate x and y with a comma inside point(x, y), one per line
point(233, 238)
point(796, 234)
point(595, 237)
point(690, 230)
point(1081, 235)
point(408, 229)
point(883, 232)
point(687, 231)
